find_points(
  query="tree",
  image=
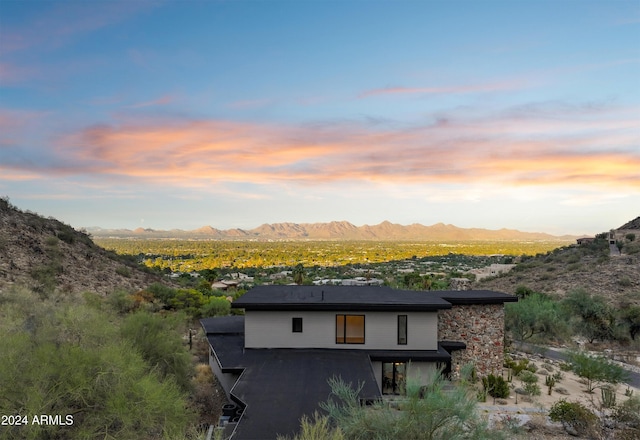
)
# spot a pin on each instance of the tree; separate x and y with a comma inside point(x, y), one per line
point(298, 274)
point(596, 370)
point(535, 314)
point(630, 317)
point(596, 319)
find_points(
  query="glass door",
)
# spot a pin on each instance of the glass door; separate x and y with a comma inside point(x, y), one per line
point(393, 377)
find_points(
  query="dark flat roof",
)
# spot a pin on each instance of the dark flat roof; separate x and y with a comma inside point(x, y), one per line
point(337, 298)
point(373, 298)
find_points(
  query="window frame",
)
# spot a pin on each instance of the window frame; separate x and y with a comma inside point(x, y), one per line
point(296, 324)
point(343, 339)
point(403, 327)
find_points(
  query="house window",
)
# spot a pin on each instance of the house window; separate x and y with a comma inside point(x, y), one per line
point(349, 329)
point(296, 325)
point(402, 329)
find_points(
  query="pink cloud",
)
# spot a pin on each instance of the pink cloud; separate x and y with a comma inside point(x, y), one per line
point(13, 74)
point(250, 104)
point(455, 89)
point(52, 27)
point(163, 100)
point(523, 151)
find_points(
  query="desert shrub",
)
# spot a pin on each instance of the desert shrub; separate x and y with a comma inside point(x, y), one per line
point(437, 414)
point(78, 365)
point(496, 386)
point(516, 366)
point(67, 235)
point(121, 302)
point(565, 366)
point(530, 383)
point(628, 412)
point(632, 248)
point(625, 282)
point(123, 271)
point(158, 341)
point(574, 415)
point(317, 429)
point(51, 241)
point(216, 306)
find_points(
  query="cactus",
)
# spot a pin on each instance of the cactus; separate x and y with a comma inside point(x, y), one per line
point(608, 397)
point(550, 382)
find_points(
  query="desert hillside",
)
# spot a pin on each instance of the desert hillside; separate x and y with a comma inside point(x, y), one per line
point(592, 266)
point(45, 254)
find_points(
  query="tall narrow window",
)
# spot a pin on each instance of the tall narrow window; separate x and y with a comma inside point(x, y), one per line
point(402, 329)
point(349, 329)
point(296, 325)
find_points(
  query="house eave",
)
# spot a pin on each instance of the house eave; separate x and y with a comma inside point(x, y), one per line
point(350, 307)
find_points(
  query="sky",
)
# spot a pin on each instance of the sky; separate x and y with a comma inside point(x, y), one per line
point(181, 114)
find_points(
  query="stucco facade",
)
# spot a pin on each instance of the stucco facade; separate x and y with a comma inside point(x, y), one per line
point(273, 329)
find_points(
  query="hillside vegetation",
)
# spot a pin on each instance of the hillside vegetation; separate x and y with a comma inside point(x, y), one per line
point(590, 267)
point(45, 254)
point(94, 346)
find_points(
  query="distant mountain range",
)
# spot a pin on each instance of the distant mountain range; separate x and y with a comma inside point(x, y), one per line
point(337, 230)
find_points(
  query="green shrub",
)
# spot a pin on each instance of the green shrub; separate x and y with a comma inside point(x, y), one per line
point(625, 282)
point(216, 307)
point(518, 366)
point(317, 429)
point(628, 412)
point(530, 380)
point(575, 415)
point(67, 235)
point(496, 386)
point(123, 271)
point(51, 241)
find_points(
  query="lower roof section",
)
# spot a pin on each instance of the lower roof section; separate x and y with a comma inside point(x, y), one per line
point(283, 385)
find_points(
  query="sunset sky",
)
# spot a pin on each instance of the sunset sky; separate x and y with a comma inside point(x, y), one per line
point(180, 114)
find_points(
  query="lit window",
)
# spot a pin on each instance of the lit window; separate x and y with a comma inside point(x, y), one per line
point(349, 329)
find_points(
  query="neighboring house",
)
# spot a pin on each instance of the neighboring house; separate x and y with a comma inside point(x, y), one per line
point(584, 240)
point(493, 270)
point(274, 362)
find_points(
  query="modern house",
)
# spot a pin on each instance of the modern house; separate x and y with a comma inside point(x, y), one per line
point(275, 361)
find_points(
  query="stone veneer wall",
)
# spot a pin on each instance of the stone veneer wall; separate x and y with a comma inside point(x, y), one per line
point(481, 328)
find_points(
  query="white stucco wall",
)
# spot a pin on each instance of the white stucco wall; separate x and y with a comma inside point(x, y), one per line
point(272, 329)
